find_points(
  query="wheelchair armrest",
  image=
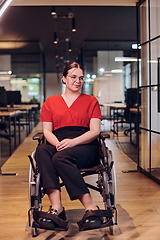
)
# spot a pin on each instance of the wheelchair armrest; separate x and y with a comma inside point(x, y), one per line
point(38, 136)
point(104, 135)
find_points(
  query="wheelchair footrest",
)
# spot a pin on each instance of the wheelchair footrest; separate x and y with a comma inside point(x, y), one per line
point(56, 222)
point(43, 225)
point(96, 219)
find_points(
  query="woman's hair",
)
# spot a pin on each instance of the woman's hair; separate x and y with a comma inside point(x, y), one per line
point(70, 66)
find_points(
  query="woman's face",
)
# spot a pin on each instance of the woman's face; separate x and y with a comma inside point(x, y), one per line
point(74, 79)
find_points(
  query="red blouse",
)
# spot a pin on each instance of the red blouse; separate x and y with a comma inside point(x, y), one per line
point(84, 108)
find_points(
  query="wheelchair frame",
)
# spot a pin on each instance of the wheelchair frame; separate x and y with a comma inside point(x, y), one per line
point(106, 184)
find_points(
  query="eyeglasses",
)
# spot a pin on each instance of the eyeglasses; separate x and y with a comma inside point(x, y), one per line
point(74, 78)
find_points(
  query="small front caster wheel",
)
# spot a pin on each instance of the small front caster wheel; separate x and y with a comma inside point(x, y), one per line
point(34, 232)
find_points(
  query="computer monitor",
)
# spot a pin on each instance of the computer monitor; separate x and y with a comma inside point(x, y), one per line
point(3, 97)
point(13, 97)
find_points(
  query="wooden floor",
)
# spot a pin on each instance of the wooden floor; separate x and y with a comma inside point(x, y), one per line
point(138, 201)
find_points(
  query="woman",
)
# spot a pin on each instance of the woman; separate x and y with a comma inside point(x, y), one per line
point(71, 124)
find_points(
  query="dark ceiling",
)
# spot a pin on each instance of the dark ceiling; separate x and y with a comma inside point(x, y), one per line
point(98, 28)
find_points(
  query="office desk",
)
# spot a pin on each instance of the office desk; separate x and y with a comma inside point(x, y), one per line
point(23, 108)
point(28, 108)
point(8, 115)
point(115, 107)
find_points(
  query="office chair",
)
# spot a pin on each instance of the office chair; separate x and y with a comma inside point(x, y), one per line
point(131, 102)
point(3, 127)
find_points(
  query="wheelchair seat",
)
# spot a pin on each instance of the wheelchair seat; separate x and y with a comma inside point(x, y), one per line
point(106, 186)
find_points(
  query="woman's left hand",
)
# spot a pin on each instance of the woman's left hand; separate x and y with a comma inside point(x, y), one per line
point(65, 143)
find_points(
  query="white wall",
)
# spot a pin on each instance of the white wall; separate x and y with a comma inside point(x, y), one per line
point(110, 85)
point(5, 66)
point(5, 62)
point(6, 84)
point(53, 87)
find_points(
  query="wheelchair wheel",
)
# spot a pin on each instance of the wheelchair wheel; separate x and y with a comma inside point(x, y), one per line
point(109, 187)
point(32, 183)
point(112, 178)
point(35, 198)
point(112, 189)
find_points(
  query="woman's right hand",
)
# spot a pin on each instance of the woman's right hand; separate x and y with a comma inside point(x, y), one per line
point(65, 143)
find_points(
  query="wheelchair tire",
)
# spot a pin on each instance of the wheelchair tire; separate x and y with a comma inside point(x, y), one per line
point(112, 189)
point(109, 180)
point(32, 197)
point(32, 184)
point(112, 180)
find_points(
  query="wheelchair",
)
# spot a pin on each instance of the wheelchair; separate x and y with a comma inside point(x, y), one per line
point(106, 186)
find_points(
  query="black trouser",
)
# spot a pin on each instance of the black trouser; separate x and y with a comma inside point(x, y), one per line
point(66, 163)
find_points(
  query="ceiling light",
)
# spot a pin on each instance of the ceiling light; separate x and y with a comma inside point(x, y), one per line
point(4, 6)
point(69, 47)
point(56, 53)
point(101, 70)
point(5, 72)
point(12, 44)
point(55, 38)
point(53, 11)
point(116, 70)
point(108, 75)
point(93, 76)
point(73, 25)
point(125, 59)
point(88, 75)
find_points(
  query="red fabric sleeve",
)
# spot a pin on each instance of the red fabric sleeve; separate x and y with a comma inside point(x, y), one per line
point(46, 115)
point(95, 111)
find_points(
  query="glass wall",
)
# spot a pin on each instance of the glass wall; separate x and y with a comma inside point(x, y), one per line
point(110, 77)
point(149, 137)
point(30, 88)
